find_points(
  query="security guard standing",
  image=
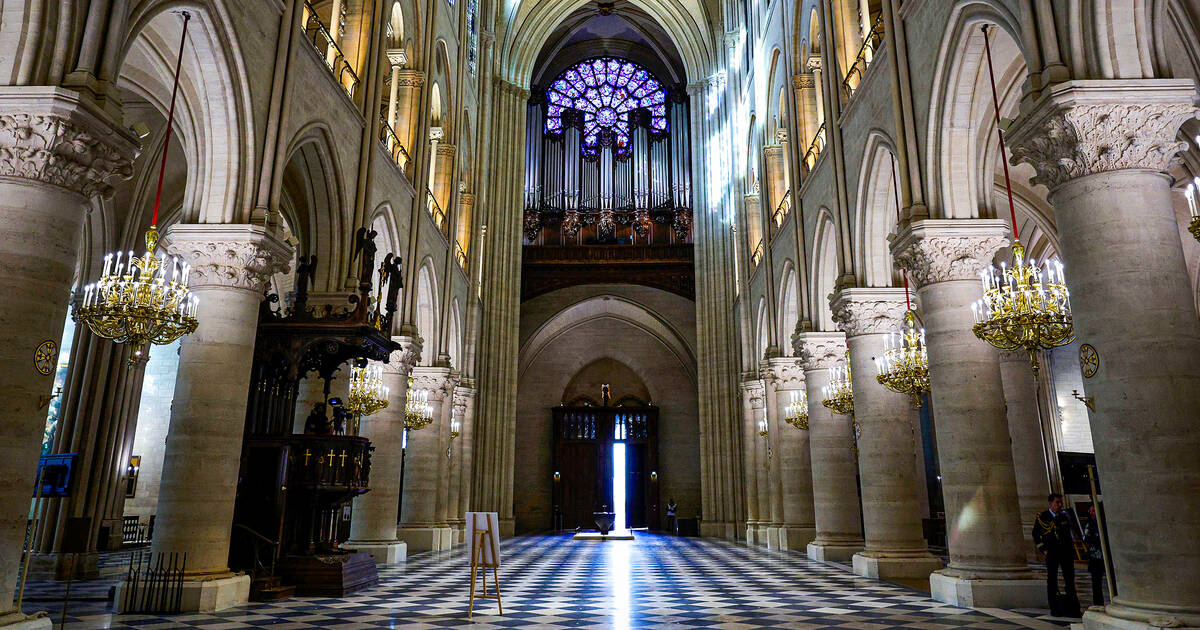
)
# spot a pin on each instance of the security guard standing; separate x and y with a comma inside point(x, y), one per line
point(1052, 532)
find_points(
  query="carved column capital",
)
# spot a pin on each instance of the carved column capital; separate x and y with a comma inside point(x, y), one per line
point(1080, 128)
point(228, 255)
point(786, 372)
point(754, 392)
point(397, 57)
point(820, 350)
point(940, 250)
point(869, 311)
point(403, 361)
point(803, 80)
point(49, 135)
point(466, 199)
point(438, 381)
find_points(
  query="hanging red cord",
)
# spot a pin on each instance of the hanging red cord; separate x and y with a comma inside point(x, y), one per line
point(1012, 210)
point(162, 169)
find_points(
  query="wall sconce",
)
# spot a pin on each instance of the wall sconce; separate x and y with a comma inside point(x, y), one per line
point(455, 429)
point(131, 475)
point(762, 428)
point(557, 477)
point(654, 475)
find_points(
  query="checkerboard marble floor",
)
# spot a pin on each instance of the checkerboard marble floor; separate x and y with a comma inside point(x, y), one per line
point(554, 582)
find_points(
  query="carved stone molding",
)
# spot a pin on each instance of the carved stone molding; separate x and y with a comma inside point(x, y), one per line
point(228, 255)
point(787, 372)
point(773, 151)
point(1080, 128)
point(781, 135)
point(410, 78)
point(754, 393)
point(403, 361)
point(48, 135)
point(466, 199)
point(733, 38)
point(813, 63)
point(805, 80)
point(940, 250)
point(446, 151)
point(868, 311)
point(820, 350)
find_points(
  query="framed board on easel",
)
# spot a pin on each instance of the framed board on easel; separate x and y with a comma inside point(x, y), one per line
point(483, 550)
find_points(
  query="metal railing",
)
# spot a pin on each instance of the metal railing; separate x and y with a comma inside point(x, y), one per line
point(815, 148)
point(319, 36)
point(154, 582)
point(435, 208)
point(460, 256)
point(866, 54)
point(785, 206)
point(391, 142)
point(756, 257)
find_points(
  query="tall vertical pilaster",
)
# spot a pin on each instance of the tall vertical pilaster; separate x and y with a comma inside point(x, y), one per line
point(460, 458)
point(836, 507)
point(376, 513)
point(895, 542)
point(792, 459)
point(231, 265)
point(1104, 149)
point(57, 154)
point(987, 555)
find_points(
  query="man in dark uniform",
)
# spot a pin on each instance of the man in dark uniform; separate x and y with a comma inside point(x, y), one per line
point(1052, 533)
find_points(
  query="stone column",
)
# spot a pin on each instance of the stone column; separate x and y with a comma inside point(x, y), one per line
point(752, 399)
point(762, 470)
point(895, 541)
point(983, 523)
point(771, 445)
point(408, 85)
point(456, 517)
point(58, 153)
point(421, 524)
point(1028, 441)
point(836, 508)
point(1104, 149)
point(376, 513)
point(231, 265)
point(792, 459)
point(462, 454)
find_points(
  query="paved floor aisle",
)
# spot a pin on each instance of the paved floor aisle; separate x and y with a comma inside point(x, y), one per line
point(552, 582)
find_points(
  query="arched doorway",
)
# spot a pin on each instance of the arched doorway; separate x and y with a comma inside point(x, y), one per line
point(606, 449)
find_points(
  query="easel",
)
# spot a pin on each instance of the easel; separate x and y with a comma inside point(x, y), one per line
point(479, 561)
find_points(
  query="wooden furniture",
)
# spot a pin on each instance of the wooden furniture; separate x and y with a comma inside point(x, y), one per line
point(583, 439)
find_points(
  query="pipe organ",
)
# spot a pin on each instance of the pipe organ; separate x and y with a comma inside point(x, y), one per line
point(607, 158)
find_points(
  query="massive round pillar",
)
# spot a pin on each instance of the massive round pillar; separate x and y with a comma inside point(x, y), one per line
point(1104, 149)
point(983, 523)
point(895, 542)
point(58, 154)
point(231, 265)
point(792, 459)
point(376, 514)
point(836, 506)
point(422, 523)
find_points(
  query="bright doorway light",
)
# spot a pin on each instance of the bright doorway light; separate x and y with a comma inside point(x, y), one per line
point(618, 482)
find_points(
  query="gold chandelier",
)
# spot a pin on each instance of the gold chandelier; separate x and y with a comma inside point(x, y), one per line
point(418, 413)
point(839, 392)
point(1023, 306)
point(904, 366)
point(368, 394)
point(1193, 188)
point(143, 300)
point(796, 411)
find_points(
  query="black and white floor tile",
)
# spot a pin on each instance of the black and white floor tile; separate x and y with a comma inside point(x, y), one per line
point(554, 582)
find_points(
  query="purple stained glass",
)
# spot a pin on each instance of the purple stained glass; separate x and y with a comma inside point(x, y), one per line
point(605, 90)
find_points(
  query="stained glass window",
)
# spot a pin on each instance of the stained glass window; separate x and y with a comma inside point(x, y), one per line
point(472, 36)
point(606, 91)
